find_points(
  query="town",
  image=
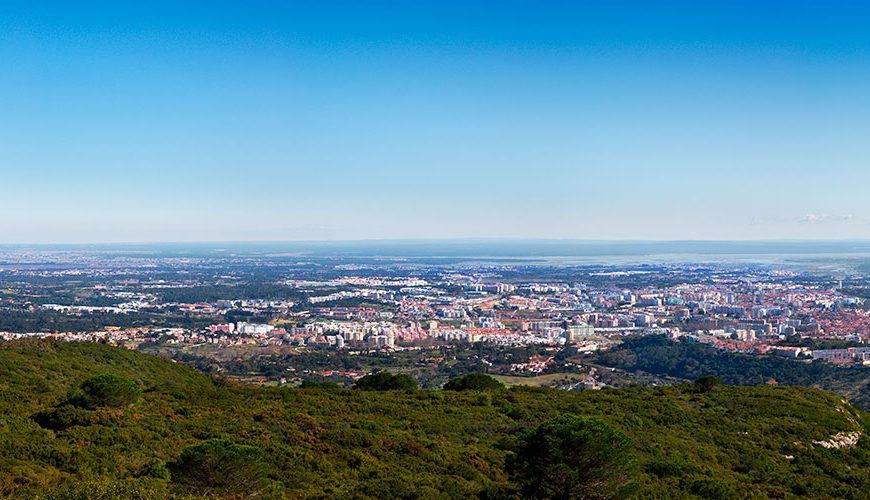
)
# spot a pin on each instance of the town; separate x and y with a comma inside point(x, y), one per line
point(250, 305)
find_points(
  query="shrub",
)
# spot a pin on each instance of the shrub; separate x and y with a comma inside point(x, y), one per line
point(107, 391)
point(157, 469)
point(64, 417)
point(386, 381)
point(220, 464)
point(143, 488)
point(572, 457)
point(474, 382)
point(707, 383)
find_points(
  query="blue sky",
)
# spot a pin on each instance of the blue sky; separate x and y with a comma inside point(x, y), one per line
point(179, 121)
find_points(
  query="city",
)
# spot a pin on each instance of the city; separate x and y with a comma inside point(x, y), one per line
point(215, 311)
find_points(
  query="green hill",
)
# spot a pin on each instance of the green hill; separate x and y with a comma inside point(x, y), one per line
point(187, 435)
point(689, 360)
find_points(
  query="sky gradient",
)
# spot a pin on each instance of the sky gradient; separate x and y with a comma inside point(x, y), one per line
point(220, 121)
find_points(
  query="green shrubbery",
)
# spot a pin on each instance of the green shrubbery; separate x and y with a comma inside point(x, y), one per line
point(64, 417)
point(707, 383)
point(157, 469)
point(386, 381)
point(106, 390)
point(573, 457)
point(220, 464)
point(474, 382)
point(99, 391)
point(185, 436)
point(657, 355)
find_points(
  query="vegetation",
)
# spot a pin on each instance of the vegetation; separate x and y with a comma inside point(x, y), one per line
point(474, 382)
point(386, 381)
point(222, 465)
point(707, 383)
point(56, 322)
point(107, 390)
point(431, 366)
point(691, 360)
point(318, 384)
point(573, 457)
point(190, 436)
point(212, 293)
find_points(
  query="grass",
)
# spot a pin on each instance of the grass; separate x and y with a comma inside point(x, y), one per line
point(537, 381)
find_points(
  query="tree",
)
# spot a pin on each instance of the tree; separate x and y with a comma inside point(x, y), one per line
point(386, 381)
point(64, 417)
point(572, 457)
point(474, 382)
point(107, 390)
point(707, 383)
point(157, 469)
point(220, 464)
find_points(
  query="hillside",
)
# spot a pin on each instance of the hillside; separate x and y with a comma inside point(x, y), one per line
point(690, 360)
point(713, 442)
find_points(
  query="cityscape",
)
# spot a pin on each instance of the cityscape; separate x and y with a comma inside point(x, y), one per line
point(553, 317)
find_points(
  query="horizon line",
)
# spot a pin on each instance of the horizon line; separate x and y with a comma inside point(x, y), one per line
point(436, 240)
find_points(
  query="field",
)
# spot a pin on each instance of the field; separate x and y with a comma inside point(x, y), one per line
point(538, 381)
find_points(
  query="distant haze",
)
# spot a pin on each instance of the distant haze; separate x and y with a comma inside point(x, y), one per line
point(600, 251)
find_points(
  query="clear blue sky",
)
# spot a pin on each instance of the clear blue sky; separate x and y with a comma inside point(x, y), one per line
point(257, 120)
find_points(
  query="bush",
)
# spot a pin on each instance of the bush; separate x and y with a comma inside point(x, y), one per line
point(157, 469)
point(707, 383)
point(107, 391)
point(572, 457)
point(386, 381)
point(144, 488)
point(220, 464)
point(474, 382)
point(64, 417)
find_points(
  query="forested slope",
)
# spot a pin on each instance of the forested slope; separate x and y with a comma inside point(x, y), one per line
point(174, 431)
point(690, 360)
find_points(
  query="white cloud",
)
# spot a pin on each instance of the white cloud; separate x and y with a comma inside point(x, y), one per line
point(823, 218)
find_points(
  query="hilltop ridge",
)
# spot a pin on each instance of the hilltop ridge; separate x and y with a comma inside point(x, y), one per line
point(718, 442)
